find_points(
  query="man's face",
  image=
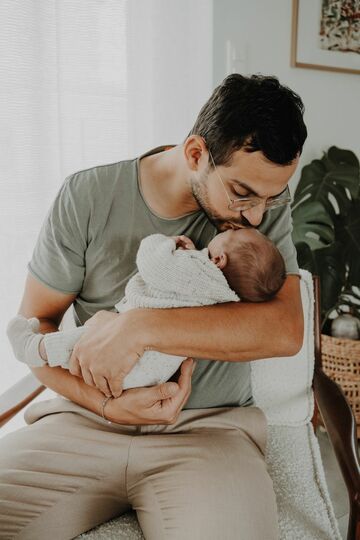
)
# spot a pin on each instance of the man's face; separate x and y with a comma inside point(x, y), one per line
point(249, 174)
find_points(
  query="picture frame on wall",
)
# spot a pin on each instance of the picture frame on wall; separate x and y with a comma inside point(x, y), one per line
point(326, 35)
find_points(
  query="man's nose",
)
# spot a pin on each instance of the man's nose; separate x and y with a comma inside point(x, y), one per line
point(255, 214)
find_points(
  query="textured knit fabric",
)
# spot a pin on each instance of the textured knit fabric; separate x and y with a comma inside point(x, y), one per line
point(59, 346)
point(167, 278)
point(282, 386)
point(24, 339)
point(88, 244)
point(170, 277)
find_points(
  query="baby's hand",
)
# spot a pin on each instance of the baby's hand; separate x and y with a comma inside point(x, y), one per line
point(183, 242)
point(25, 338)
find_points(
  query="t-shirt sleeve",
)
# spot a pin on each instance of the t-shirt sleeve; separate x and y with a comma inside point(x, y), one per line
point(278, 227)
point(58, 258)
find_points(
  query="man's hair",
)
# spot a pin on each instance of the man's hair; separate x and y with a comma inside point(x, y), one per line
point(256, 272)
point(254, 113)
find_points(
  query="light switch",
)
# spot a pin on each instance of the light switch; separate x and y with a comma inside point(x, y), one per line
point(236, 57)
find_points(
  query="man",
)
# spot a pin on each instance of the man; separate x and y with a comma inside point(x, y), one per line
point(188, 456)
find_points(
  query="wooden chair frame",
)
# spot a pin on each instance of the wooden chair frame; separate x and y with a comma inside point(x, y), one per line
point(330, 402)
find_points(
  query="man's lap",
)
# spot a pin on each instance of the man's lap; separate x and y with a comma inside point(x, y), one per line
point(203, 477)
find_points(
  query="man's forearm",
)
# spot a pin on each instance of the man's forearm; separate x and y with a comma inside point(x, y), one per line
point(232, 331)
point(64, 383)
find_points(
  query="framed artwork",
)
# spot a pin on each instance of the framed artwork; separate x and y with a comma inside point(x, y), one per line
point(326, 35)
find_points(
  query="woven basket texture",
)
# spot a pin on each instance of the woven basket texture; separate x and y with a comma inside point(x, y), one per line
point(341, 362)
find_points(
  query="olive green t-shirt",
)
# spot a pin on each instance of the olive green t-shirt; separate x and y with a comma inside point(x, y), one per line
point(88, 243)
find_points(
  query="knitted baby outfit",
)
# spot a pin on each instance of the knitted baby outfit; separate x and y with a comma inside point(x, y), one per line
point(167, 278)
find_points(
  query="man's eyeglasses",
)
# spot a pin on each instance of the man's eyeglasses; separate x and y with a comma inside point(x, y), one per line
point(249, 201)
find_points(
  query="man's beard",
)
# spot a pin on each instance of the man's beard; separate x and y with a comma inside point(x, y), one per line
point(222, 223)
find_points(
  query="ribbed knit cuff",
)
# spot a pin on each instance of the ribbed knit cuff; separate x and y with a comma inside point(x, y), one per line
point(59, 346)
point(32, 354)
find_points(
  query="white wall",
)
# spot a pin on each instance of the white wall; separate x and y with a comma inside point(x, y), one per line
point(261, 32)
point(171, 46)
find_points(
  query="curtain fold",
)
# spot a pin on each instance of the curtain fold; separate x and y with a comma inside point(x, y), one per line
point(82, 84)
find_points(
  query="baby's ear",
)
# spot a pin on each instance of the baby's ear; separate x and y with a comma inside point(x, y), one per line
point(220, 260)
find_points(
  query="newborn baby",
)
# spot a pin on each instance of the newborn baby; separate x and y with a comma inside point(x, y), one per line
point(240, 264)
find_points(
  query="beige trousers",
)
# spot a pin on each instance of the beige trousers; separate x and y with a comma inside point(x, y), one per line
point(202, 478)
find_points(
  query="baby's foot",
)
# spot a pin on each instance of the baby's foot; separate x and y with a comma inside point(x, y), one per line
point(35, 324)
point(24, 337)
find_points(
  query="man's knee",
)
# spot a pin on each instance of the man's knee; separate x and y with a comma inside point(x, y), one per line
point(220, 488)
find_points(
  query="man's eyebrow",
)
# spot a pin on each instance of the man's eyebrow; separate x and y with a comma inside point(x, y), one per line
point(244, 185)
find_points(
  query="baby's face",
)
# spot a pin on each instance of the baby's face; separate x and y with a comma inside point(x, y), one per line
point(224, 242)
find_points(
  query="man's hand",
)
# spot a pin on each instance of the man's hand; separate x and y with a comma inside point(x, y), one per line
point(159, 404)
point(102, 356)
point(183, 242)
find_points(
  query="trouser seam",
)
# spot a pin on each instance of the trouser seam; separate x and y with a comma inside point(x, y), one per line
point(159, 514)
point(127, 467)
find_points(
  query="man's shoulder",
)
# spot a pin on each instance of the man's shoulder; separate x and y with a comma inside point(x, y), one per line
point(104, 166)
point(100, 178)
point(103, 170)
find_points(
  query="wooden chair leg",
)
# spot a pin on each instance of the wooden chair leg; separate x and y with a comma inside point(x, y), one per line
point(315, 419)
point(353, 532)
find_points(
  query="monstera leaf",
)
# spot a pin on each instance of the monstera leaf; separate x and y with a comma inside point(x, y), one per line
point(327, 180)
point(339, 156)
point(305, 257)
point(330, 266)
point(328, 263)
point(312, 225)
point(347, 230)
point(326, 226)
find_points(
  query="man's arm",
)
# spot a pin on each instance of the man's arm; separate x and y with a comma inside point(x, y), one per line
point(159, 404)
point(49, 307)
point(233, 332)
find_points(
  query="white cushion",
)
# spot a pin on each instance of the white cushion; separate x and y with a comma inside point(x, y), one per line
point(281, 386)
point(303, 501)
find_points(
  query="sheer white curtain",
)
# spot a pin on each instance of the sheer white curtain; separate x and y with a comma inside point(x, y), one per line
point(85, 83)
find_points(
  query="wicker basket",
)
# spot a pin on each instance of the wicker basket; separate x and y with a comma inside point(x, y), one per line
point(341, 362)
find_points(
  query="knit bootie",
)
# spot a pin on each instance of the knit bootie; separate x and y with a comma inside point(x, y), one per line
point(24, 338)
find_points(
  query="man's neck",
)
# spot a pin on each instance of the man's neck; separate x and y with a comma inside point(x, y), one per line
point(164, 180)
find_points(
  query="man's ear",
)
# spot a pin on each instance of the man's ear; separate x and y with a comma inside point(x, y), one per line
point(220, 260)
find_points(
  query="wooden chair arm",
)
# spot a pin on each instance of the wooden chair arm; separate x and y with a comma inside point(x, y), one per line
point(340, 425)
point(18, 396)
point(339, 421)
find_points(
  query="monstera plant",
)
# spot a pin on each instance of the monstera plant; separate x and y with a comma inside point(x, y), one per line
point(326, 229)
